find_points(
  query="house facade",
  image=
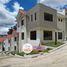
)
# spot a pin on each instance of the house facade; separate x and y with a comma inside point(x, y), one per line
point(39, 25)
point(8, 43)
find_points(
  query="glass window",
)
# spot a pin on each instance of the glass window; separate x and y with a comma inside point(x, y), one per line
point(22, 22)
point(48, 17)
point(31, 17)
point(47, 35)
point(33, 35)
point(22, 35)
point(35, 16)
point(59, 35)
point(15, 39)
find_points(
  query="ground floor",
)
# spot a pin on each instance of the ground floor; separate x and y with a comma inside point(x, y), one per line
point(56, 58)
point(37, 37)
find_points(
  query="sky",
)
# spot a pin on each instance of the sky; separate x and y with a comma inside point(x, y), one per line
point(10, 8)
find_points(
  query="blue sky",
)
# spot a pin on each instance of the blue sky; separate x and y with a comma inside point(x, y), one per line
point(10, 8)
point(26, 4)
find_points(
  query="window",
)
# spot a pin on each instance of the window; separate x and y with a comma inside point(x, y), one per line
point(47, 35)
point(9, 40)
point(48, 17)
point(22, 35)
point(31, 17)
point(35, 16)
point(58, 19)
point(15, 39)
point(22, 22)
point(59, 35)
point(15, 48)
point(33, 35)
point(61, 20)
point(65, 13)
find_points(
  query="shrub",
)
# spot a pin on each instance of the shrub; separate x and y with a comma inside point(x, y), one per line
point(21, 53)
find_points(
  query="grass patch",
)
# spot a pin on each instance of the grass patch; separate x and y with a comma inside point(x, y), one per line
point(52, 44)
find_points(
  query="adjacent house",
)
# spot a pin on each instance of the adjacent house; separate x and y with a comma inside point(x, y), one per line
point(40, 25)
point(8, 42)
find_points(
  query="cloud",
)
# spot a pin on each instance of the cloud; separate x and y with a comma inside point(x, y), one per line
point(6, 16)
point(16, 7)
point(4, 1)
point(57, 4)
point(3, 30)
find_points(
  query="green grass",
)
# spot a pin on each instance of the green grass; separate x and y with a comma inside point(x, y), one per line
point(52, 44)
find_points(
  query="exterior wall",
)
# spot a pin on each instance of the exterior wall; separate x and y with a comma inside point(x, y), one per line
point(10, 45)
point(40, 22)
point(44, 23)
point(39, 25)
point(6, 45)
point(61, 26)
point(66, 24)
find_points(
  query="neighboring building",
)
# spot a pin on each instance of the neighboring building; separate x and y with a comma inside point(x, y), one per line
point(61, 27)
point(40, 25)
point(8, 43)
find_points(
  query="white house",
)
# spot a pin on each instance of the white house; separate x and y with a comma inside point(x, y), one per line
point(8, 43)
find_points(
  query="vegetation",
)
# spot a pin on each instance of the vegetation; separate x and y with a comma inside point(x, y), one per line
point(21, 53)
point(34, 52)
point(52, 44)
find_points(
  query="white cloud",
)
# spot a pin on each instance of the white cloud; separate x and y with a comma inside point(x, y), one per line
point(16, 7)
point(6, 16)
point(3, 30)
point(57, 4)
point(4, 1)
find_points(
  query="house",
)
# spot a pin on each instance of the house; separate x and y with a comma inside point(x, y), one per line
point(8, 43)
point(40, 25)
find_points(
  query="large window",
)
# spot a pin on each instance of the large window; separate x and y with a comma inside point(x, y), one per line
point(22, 22)
point(59, 35)
point(47, 35)
point(48, 17)
point(33, 35)
point(22, 35)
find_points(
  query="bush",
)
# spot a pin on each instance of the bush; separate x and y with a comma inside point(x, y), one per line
point(21, 53)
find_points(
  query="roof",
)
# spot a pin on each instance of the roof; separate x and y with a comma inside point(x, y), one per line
point(9, 36)
point(2, 39)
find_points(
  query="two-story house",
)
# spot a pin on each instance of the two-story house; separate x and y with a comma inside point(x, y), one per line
point(37, 26)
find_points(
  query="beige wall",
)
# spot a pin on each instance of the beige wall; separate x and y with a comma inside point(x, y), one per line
point(38, 25)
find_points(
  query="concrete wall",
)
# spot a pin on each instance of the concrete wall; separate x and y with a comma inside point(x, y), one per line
point(39, 25)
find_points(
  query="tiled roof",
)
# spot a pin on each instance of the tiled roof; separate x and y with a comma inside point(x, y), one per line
point(9, 36)
point(2, 39)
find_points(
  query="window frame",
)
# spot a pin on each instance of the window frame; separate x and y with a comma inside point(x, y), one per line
point(33, 35)
point(22, 35)
point(60, 37)
point(46, 35)
point(48, 17)
point(22, 22)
